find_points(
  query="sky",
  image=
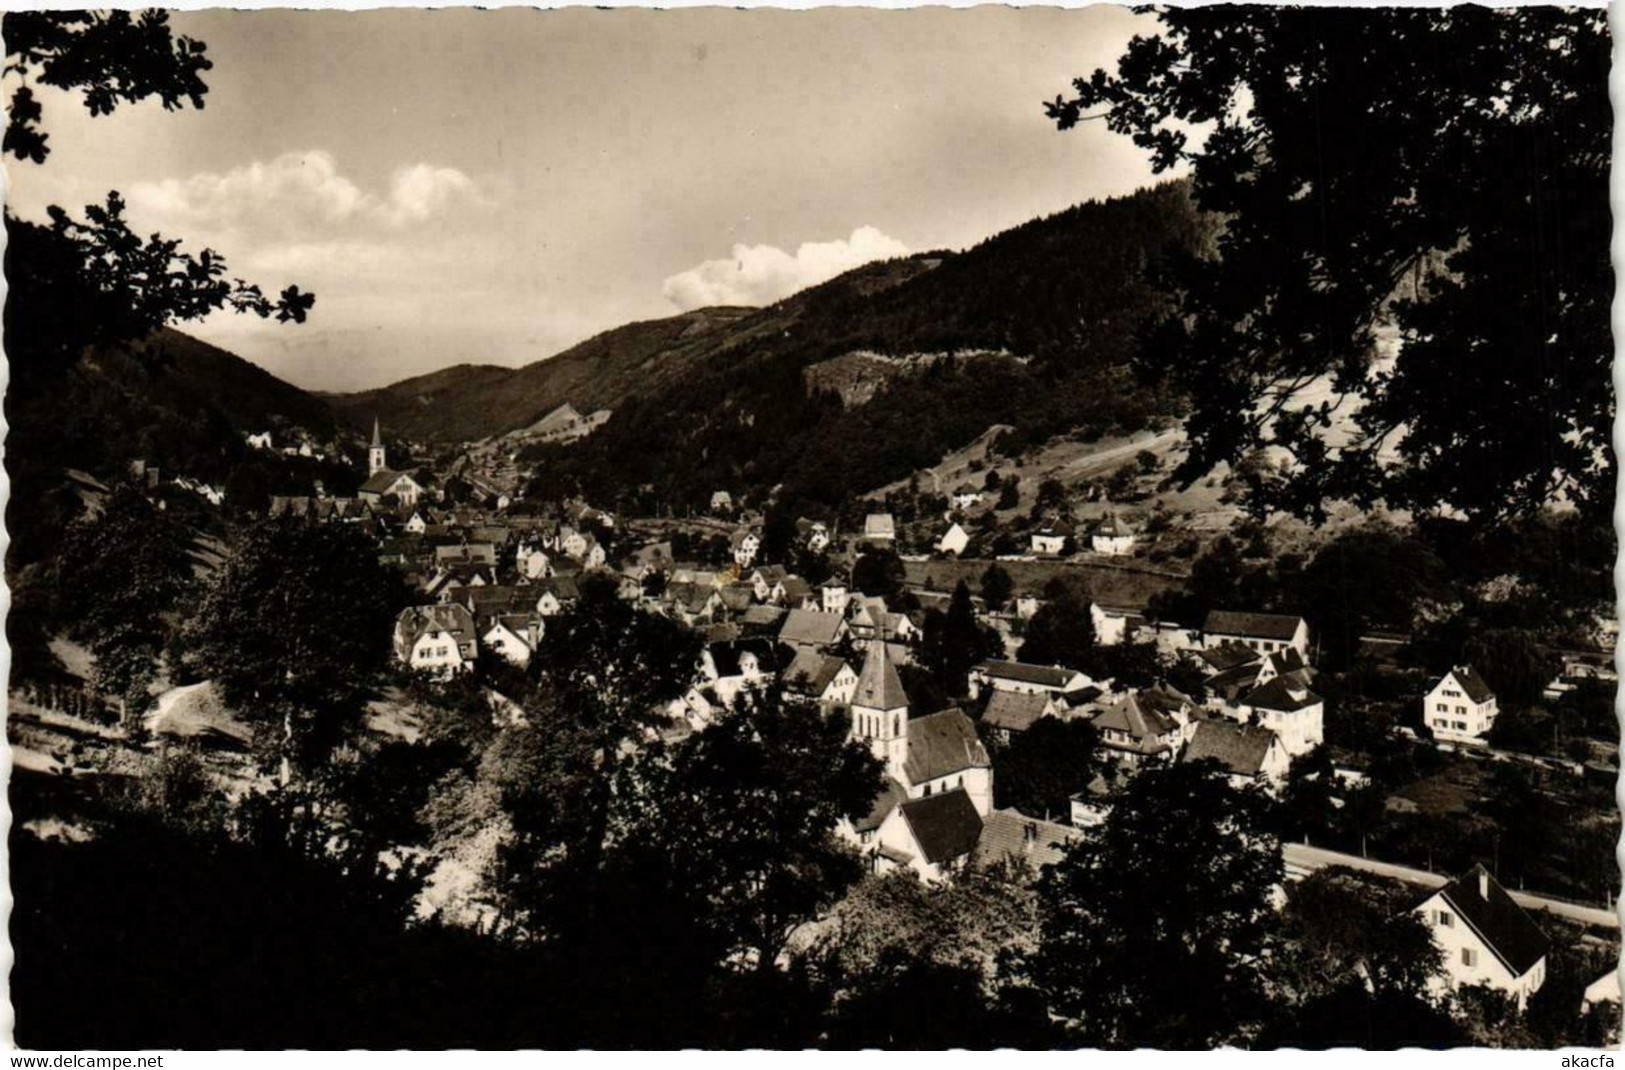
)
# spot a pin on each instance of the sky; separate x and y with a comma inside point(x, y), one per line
point(491, 187)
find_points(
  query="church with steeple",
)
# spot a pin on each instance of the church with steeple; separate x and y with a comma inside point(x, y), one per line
point(939, 777)
point(924, 755)
point(384, 482)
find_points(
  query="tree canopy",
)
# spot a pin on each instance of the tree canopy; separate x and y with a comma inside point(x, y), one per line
point(1440, 172)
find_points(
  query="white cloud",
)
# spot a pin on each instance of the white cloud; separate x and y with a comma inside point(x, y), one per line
point(295, 193)
point(763, 274)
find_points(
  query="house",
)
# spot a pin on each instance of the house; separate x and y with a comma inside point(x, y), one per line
point(260, 440)
point(1027, 606)
point(1112, 537)
point(1091, 806)
point(762, 620)
point(1051, 539)
point(1010, 837)
point(1248, 753)
point(814, 676)
point(954, 541)
point(389, 484)
point(555, 594)
point(721, 501)
point(1604, 989)
point(814, 534)
point(1023, 677)
point(1009, 713)
point(768, 582)
point(728, 601)
point(813, 628)
point(879, 530)
point(532, 561)
point(513, 636)
point(796, 593)
point(1487, 938)
point(1115, 624)
point(743, 546)
point(735, 666)
point(1461, 708)
point(1141, 727)
point(1264, 632)
point(439, 639)
point(872, 620)
point(834, 596)
point(928, 755)
point(967, 497)
point(935, 835)
point(1289, 709)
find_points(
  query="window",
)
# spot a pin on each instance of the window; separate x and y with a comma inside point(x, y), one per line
point(928, 789)
point(1446, 919)
point(1444, 707)
point(1469, 957)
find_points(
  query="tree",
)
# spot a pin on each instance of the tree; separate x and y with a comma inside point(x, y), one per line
point(1043, 767)
point(742, 817)
point(118, 573)
point(955, 642)
point(601, 677)
point(291, 627)
point(996, 587)
point(907, 964)
point(1340, 927)
point(112, 56)
point(1375, 578)
point(1339, 181)
point(1514, 663)
point(1172, 894)
point(879, 572)
point(95, 282)
point(1062, 632)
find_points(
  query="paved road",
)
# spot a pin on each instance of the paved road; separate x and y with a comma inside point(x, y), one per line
point(1301, 860)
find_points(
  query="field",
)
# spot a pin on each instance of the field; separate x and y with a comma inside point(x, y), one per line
point(1131, 585)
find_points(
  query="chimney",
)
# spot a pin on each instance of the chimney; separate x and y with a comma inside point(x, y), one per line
point(1029, 834)
point(1483, 884)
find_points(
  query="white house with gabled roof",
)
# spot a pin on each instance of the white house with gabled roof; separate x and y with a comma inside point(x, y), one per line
point(1461, 708)
point(1487, 939)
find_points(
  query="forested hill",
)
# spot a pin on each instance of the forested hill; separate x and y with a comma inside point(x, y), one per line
point(172, 400)
point(1035, 328)
point(475, 401)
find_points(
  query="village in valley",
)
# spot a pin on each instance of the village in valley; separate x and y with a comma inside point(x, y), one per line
point(885, 666)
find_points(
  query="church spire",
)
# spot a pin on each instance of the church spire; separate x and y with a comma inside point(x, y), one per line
point(879, 686)
point(377, 439)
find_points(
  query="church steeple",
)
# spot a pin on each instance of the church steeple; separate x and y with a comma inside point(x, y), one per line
point(880, 708)
point(375, 452)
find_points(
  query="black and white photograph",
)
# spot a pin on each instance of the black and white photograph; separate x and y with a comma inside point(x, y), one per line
point(847, 528)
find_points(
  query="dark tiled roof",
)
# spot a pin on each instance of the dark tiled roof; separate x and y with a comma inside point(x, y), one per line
point(1278, 626)
point(810, 626)
point(1022, 672)
point(1014, 711)
point(1281, 693)
point(1473, 684)
point(810, 672)
point(946, 826)
point(1511, 935)
point(1141, 720)
point(888, 799)
point(1010, 834)
point(1228, 656)
point(1241, 749)
point(941, 744)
